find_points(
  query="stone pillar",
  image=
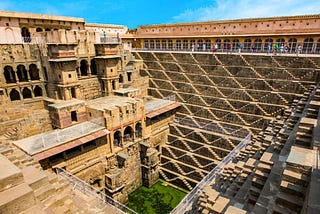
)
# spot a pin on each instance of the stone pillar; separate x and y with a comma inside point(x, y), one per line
point(89, 68)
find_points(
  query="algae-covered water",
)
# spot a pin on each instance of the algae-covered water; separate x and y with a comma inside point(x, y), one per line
point(158, 199)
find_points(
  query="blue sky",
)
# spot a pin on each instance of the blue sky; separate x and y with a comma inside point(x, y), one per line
point(133, 13)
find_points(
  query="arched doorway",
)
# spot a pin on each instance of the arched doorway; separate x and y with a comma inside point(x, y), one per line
point(22, 73)
point(307, 45)
point(128, 134)
point(157, 44)
point(37, 91)
point(9, 74)
point(39, 29)
point(26, 93)
point(151, 44)
point(84, 67)
point(208, 44)
point(117, 141)
point(164, 44)
point(268, 42)
point(318, 47)
point(14, 95)
point(235, 43)
point(178, 44)
point(185, 44)
point(138, 130)
point(280, 41)
point(93, 67)
point(258, 45)
point(218, 42)
point(292, 45)
point(34, 72)
point(146, 44)
point(113, 83)
point(247, 45)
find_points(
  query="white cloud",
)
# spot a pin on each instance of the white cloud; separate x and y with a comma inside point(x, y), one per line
point(234, 9)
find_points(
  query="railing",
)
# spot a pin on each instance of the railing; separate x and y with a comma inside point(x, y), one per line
point(194, 194)
point(110, 40)
point(170, 97)
point(34, 40)
point(224, 50)
point(209, 127)
point(87, 189)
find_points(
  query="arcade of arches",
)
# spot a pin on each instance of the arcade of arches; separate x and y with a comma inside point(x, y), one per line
point(129, 134)
point(309, 45)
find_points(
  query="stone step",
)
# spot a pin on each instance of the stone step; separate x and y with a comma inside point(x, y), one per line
point(16, 199)
point(10, 175)
point(289, 201)
point(36, 209)
point(44, 192)
point(293, 189)
point(34, 178)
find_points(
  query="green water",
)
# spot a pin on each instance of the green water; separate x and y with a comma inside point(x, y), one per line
point(158, 199)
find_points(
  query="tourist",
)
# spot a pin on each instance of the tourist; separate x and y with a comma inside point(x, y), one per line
point(239, 47)
point(299, 49)
point(286, 49)
point(269, 48)
point(281, 49)
point(228, 48)
point(192, 48)
point(275, 48)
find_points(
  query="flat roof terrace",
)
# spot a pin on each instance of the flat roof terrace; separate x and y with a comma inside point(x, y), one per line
point(47, 144)
point(156, 107)
point(110, 102)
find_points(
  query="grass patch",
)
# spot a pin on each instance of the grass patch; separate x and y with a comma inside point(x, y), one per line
point(158, 199)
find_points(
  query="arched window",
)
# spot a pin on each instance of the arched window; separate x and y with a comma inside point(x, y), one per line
point(34, 72)
point(164, 44)
point(47, 29)
point(247, 44)
point(280, 41)
point(318, 47)
point(170, 45)
point(267, 43)
point(258, 45)
point(307, 45)
point(199, 45)
point(39, 29)
point(120, 78)
point(218, 42)
point(225, 43)
point(14, 95)
point(9, 74)
point(185, 45)
point(292, 45)
point(235, 43)
point(138, 130)
point(128, 134)
point(26, 93)
point(117, 141)
point(25, 34)
point(37, 91)
point(84, 67)
point(151, 44)
point(93, 67)
point(22, 73)
point(157, 44)
point(178, 44)
point(208, 44)
point(146, 44)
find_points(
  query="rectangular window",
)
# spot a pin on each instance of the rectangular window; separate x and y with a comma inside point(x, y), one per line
point(74, 116)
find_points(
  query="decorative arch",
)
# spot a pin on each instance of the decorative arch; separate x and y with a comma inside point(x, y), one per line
point(26, 93)
point(307, 45)
point(22, 73)
point(9, 74)
point(14, 95)
point(37, 91)
point(128, 134)
point(117, 139)
point(138, 130)
point(84, 67)
point(34, 72)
